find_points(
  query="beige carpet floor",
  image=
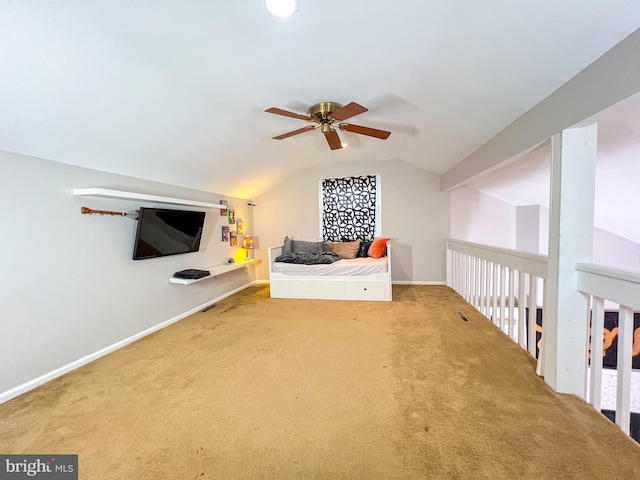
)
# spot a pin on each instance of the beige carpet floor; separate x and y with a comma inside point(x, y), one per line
point(260, 388)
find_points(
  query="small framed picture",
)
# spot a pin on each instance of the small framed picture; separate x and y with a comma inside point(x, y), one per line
point(240, 226)
point(225, 234)
point(233, 239)
point(223, 212)
point(232, 217)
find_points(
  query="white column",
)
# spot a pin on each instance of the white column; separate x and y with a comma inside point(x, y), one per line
point(573, 162)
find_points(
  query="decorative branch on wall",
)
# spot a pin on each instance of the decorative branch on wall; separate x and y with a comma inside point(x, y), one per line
point(90, 211)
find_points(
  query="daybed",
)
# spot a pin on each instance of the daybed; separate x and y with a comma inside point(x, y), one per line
point(346, 279)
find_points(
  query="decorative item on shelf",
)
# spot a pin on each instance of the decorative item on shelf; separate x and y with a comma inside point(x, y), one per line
point(213, 271)
point(223, 212)
point(232, 217)
point(247, 244)
point(240, 226)
point(233, 239)
point(225, 234)
point(192, 273)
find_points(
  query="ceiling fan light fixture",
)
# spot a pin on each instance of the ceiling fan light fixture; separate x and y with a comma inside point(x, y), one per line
point(282, 8)
point(328, 117)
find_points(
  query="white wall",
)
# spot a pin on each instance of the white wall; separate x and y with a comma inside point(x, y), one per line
point(528, 228)
point(477, 217)
point(608, 248)
point(414, 214)
point(480, 218)
point(543, 230)
point(614, 251)
point(532, 229)
point(69, 286)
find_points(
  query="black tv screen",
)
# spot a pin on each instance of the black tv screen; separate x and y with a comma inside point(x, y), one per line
point(164, 232)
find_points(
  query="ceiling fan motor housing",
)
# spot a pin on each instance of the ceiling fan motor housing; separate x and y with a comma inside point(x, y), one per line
point(322, 113)
point(323, 110)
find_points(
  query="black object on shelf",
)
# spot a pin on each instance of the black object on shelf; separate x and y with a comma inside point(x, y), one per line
point(192, 274)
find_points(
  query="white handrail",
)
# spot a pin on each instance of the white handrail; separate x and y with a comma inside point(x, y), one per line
point(532, 263)
point(613, 284)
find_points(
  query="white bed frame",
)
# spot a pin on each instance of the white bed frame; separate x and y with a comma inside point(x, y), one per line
point(376, 286)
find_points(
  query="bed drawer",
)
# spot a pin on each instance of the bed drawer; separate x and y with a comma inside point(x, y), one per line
point(293, 288)
point(324, 288)
point(366, 289)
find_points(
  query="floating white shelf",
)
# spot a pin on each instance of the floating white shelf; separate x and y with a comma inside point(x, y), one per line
point(108, 193)
point(215, 271)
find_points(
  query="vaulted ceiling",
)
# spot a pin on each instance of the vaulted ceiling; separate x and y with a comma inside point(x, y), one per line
point(176, 91)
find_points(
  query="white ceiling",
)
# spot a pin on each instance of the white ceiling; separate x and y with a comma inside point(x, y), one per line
point(176, 91)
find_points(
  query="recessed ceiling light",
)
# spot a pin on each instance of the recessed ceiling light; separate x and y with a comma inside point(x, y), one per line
point(343, 144)
point(282, 8)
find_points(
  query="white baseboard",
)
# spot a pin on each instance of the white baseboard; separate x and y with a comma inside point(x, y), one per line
point(36, 382)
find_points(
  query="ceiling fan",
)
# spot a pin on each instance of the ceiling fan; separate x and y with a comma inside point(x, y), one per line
point(328, 116)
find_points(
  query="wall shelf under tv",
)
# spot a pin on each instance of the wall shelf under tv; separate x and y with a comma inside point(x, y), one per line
point(215, 271)
point(108, 193)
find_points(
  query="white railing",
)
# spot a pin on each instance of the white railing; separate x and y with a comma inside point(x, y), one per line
point(501, 284)
point(622, 288)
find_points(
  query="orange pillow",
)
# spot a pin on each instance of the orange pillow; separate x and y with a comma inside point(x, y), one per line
point(378, 247)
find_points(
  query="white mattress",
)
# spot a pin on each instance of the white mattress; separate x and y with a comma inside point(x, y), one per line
point(348, 267)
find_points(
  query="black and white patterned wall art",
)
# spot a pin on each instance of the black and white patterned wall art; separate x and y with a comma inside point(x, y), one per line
point(349, 208)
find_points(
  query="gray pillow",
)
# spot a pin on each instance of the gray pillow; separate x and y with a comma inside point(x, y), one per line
point(316, 248)
point(287, 247)
point(364, 248)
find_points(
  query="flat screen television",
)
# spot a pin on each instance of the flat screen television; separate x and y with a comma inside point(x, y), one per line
point(163, 232)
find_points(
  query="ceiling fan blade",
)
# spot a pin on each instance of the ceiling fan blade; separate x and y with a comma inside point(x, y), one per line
point(348, 111)
point(372, 132)
point(333, 140)
point(294, 132)
point(285, 113)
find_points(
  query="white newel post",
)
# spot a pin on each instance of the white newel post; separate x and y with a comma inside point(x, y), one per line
point(565, 330)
